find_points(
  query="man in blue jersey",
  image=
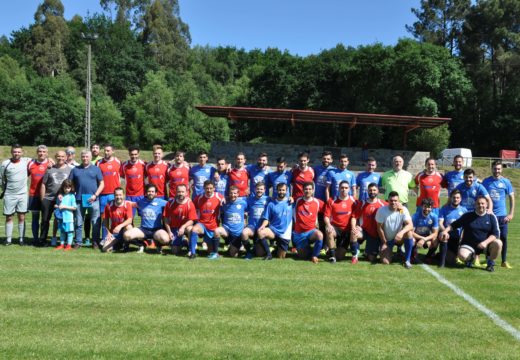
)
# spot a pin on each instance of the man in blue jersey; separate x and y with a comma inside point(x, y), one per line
point(336, 176)
point(320, 175)
point(448, 214)
point(366, 178)
point(276, 223)
point(200, 173)
point(150, 209)
point(233, 219)
point(280, 176)
point(455, 177)
point(481, 234)
point(255, 208)
point(258, 172)
point(470, 190)
point(222, 184)
point(500, 188)
point(425, 227)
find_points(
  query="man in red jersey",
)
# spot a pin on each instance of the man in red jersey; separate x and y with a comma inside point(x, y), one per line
point(429, 181)
point(156, 171)
point(208, 211)
point(339, 223)
point(178, 215)
point(133, 172)
point(301, 174)
point(366, 228)
point(36, 169)
point(306, 209)
point(110, 167)
point(117, 217)
point(178, 173)
point(238, 176)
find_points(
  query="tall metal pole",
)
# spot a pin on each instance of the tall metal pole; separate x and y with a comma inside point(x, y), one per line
point(89, 91)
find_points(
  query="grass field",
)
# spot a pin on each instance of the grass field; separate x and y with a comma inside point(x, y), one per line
point(85, 304)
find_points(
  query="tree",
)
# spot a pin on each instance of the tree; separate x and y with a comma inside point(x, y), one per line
point(49, 38)
point(166, 35)
point(440, 22)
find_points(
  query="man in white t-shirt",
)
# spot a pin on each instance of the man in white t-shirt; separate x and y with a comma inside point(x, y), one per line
point(394, 226)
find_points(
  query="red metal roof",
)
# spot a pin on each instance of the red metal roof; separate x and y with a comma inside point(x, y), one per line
point(351, 119)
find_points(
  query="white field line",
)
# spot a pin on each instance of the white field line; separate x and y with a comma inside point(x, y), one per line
point(482, 308)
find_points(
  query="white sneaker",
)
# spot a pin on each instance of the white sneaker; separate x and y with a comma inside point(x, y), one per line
point(140, 250)
point(408, 265)
point(204, 246)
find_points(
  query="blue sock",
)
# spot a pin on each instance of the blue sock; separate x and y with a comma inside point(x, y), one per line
point(216, 243)
point(246, 245)
point(193, 242)
point(62, 238)
point(70, 236)
point(265, 246)
point(490, 262)
point(354, 248)
point(317, 248)
point(408, 247)
point(35, 225)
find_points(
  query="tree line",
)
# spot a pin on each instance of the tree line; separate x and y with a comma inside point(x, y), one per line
point(462, 63)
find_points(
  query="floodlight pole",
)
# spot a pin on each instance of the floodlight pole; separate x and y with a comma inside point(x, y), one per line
point(89, 38)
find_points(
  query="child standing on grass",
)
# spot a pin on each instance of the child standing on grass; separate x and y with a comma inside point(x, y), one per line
point(64, 212)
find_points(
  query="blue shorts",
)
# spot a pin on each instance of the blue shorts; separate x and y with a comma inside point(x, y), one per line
point(235, 241)
point(104, 199)
point(35, 204)
point(177, 240)
point(301, 240)
point(208, 234)
point(148, 233)
point(503, 227)
point(283, 244)
point(373, 244)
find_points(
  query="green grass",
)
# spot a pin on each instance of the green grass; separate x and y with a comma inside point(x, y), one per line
point(85, 304)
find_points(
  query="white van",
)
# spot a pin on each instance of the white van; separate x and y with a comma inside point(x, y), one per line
point(447, 156)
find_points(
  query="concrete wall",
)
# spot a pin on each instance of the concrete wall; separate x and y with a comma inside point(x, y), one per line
point(414, 160)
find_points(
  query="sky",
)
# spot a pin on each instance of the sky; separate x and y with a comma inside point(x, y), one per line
point(302, 27)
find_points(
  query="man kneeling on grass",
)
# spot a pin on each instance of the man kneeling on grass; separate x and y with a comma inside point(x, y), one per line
point(480, 234)
point(117, 218)
point(339, 224)
point(150, 209)
point(276, 225)
point(178, 216)
point(425, 229)
point(233, 219)
point(394, 226)
point(306, 209)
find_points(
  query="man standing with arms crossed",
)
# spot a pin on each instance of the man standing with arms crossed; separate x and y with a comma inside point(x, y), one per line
point(500, 188)
point(156, 171)
point(133, 172)
point(366, 178)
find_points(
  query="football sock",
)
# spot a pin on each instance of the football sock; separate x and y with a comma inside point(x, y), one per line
point(332, 252)
point(444, 250)
point(265, 246)
point(35, 225)
point(431, 252)
point(317, 248)
point(216, 243)
point(62, 238)
point(354, 248)
point(247, 245)
point(490, 262)
point(70, 236)
point(408, 247)
point(504, 250)
point(21, 230)
point(193, 242)
point(390, 244)
point(9, 231)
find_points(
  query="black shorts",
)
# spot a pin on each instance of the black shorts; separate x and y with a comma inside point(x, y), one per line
point(454, 241)
point(342, 237)
point(373, 244)
point(148, 233)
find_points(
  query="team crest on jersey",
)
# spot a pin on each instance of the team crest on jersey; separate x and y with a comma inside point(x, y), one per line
point(207, 170)
point(460, 213)
point(430, 222)
point(154, 204)
point(429, 179)
point(109, 167)
point(500, 185)
point(474, 192)
point(239, 206)
point(41, 168)
point(343, 205)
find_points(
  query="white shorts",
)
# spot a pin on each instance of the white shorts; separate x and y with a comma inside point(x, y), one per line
point(15, 204)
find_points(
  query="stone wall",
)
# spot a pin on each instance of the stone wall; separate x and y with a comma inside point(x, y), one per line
point(414, 160)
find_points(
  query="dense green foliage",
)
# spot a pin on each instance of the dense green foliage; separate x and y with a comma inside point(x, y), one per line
point(147, 79)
